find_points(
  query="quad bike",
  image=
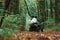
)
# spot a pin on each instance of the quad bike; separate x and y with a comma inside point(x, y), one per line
point(37, 27)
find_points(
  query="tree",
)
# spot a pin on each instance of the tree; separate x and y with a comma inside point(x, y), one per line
point(16, 6)
point(27, 8)
point(56, 12)
point(10, 6)
point(41, 10)
point(51, 8)
point(7, 2)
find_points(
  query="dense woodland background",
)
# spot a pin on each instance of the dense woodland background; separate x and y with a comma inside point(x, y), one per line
point(16, 14)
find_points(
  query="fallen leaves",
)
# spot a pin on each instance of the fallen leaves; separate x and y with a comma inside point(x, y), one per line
point(23, 35)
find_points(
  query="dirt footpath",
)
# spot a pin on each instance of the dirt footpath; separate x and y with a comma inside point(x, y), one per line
point(24, 35)
point(47, 35)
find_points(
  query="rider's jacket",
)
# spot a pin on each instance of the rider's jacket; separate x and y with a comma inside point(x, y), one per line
point(34, 20)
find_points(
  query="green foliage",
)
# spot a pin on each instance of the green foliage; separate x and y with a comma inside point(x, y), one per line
point(21, 21)
point(14, 22)
point(6, 32)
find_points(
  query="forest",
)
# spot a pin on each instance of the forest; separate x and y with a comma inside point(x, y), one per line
point(15, 18)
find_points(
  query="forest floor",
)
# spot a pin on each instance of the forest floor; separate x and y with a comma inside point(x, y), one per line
point(25, 35)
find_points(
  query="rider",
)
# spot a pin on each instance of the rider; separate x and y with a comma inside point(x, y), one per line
point(33, 22)
point(35, 25)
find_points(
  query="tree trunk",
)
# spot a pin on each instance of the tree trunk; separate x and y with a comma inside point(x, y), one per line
point(2, 19)
point(16, 6)
point(56, 11)
point(7, 2)
point(51, 9)
point(41, 10)
point(38, 10)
